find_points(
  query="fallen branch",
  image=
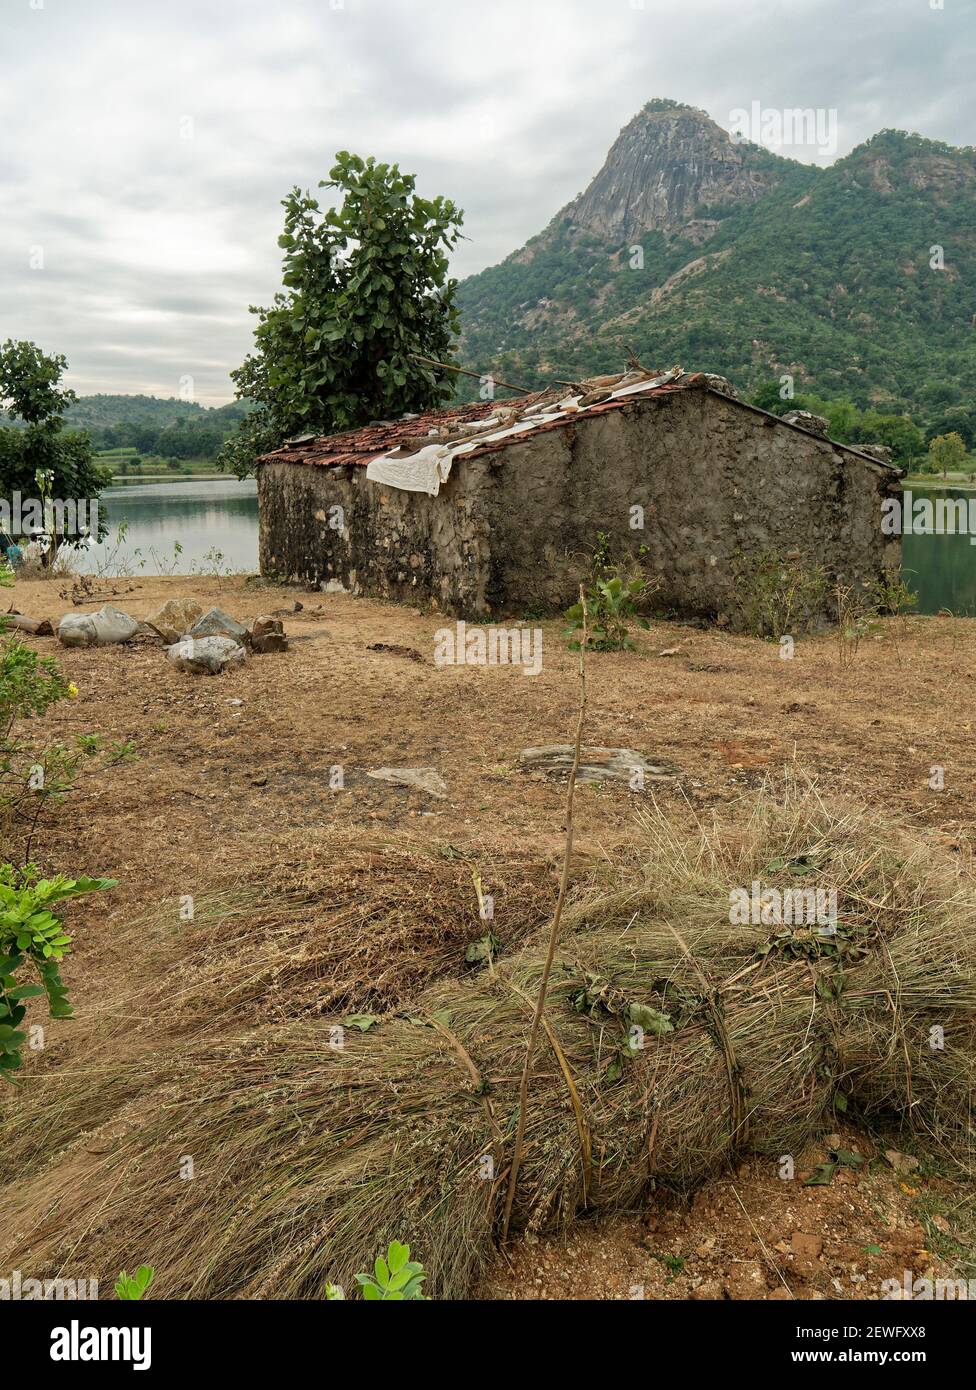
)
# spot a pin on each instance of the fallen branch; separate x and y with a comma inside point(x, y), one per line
point(40, 627)
point(478, 376)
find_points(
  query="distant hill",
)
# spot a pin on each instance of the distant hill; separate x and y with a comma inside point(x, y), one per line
point(753, 266)
point(169, 428)
point(102, 411)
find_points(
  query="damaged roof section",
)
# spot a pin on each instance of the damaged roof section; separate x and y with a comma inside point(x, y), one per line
point(480, 424)
point(435, 438)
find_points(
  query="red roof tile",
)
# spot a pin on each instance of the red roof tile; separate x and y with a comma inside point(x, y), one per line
point(358, 447)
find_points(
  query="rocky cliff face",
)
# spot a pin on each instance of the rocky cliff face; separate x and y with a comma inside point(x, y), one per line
point(668, 162)
point(857, 279)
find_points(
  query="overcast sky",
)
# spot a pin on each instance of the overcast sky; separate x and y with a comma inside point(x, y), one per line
point(144, 146)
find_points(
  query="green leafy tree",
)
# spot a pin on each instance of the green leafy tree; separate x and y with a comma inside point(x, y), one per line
point(366, 290)
point(31, 393)
point(956, 419)
point(947, 453)
point(30, 383)
point(899, 432)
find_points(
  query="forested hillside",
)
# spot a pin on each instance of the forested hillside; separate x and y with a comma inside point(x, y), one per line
point(167, 428)
point(858, 281)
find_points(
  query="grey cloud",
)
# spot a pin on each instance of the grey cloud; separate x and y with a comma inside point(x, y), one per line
point(155, 244)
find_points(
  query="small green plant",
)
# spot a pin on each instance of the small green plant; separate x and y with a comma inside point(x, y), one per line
point(212, 564)
point(778, 595)
point(33, 778)
point(396, 1277)
point(134, 1288)
point(31, 933)
point(29, 684)
point(612, 601)
point(892, 596)
point(674, 1264)
point(857, 615)
point(611, 606)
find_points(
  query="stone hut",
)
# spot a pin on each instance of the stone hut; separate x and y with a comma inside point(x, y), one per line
point(495, 508)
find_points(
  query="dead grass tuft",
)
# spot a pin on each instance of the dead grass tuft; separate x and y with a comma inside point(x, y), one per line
point(308, 1159)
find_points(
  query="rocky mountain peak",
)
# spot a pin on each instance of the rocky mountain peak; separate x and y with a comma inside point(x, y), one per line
point(666, 164)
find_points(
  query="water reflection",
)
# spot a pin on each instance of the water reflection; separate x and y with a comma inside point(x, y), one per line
point(209, 518)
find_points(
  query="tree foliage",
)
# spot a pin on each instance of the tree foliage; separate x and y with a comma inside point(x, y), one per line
point(366, 288)
point(947, 453)
point(31, 393)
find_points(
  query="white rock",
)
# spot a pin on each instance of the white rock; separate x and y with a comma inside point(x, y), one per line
point(205, 655)
point(427, 779)
point(112, 625)
point(77, 630)
point(102, 629)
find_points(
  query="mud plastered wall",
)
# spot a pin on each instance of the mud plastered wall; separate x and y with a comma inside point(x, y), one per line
point(513, 531)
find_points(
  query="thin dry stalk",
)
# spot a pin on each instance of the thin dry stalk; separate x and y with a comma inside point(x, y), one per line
point(540, 1003)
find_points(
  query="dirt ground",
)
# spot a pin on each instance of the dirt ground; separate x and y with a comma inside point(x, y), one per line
point(226, 763)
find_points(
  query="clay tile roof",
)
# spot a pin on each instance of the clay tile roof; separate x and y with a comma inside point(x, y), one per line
point(358, 447)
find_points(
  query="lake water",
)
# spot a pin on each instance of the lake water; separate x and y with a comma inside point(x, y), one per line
point(214, 520)
point(216, 523)
point(942, 569)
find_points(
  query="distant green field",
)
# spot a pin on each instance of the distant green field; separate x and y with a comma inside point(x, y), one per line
point(129, 463)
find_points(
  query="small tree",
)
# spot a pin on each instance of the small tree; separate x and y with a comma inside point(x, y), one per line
point(366, 290)
point(947, 453)
point(31, 391)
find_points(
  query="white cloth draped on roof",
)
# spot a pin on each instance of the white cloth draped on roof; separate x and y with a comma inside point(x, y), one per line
point(420, 472)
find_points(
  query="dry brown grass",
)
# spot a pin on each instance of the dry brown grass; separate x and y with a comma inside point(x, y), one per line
point(307, 1159)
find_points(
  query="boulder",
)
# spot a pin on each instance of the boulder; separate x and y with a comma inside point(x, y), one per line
point(205, 656)
point(102, 629)
point(77, 630)
point(816, 424)
point(175, 617)
point(216, 623)
point(721, 383)
point(881, 452)
point(268, 635)
point(112, 625)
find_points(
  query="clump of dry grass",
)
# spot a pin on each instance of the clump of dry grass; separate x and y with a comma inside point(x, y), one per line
point(343, 922)
point(334, 923)
point(309, 1158)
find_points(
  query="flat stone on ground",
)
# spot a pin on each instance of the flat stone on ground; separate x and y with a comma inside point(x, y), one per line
point(596, 764)
point(425, 779)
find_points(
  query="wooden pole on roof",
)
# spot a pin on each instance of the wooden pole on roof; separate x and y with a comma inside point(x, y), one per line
point(478, 376)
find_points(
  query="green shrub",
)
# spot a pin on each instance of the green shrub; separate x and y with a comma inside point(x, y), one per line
point(611, 602)
point(32, 934)
point(779, 595)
